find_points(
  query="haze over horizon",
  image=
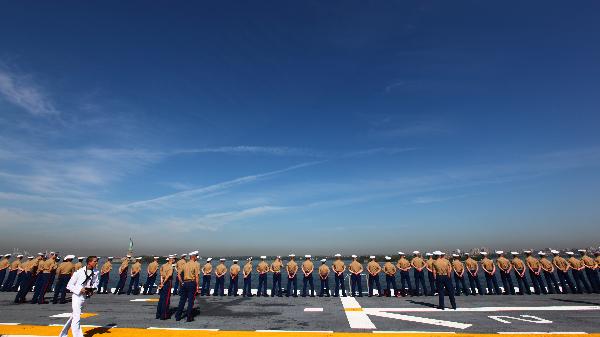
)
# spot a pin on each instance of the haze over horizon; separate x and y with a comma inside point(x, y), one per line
point(274, 127)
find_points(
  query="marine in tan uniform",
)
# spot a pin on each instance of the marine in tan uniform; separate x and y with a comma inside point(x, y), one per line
point(535, 273)
point(167, 272)
point(134, 281)
point(207, 269)
point(577, 268)
point(234, 271)
point(29, 270)
point(64, 272)
point(262, 269)
point(13, 270)
point(179, 266)
point(404, 266)
point(355, 269)
point(390, 277)
point(505, 267)
point(430, 278)
point(459, 275)
point(490, 275)
point(339, 267)
point(105, 276)
point(45, 268)
point(247, 273)
point(324, 278)
point(590, 270)
point(307, 270)
point(373, 268)
point(441, 271)
point(292, 269)
point(151, 275)
point(4, 265)
point(418, 265)
point(275, 268)
point(548, 270)
point(519, 267)
point(472, 268)
point(190, 278)
point(123, 270)
point(220, 272)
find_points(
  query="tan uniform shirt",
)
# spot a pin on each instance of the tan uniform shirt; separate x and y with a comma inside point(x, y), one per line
point(166, 271)
point(458, 266)
point(389, 268)
point(4, 264)
point(47, 266)
point(533, 263)
point(292, 268)
point(234, 270)
point(78, 265)
point(373, 268)
point(262, 267)
point(221, 269)
point(35, 264)
point(575, 262)
point(307, 266)
point(27, 266)
point(355, 267)
point(417, 262)
point(597, 260)
point(191, 270)
point(248, 268)
point(338, 266)
point(65, 268)
point(441, 266)
point(276, 266)
point(323, 270)
point(588, 262)
point(487, 264)
point(429, 264)
point(136, 268)
point(207, 268)
point(403, 264)
point(15, 264)
point(471, 264)
point(106, 267)
point(561, 263)
point(546, 264)
point(124, 265)
point(503, 263)
point(518, 264)
point(152, 267)
point(179, 265)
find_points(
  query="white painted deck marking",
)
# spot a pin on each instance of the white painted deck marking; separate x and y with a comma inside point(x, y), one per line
point(313, 309)
point(496, 309)
point(357, 318)
point(424, 320)
point(525, 318)
point(10, 323)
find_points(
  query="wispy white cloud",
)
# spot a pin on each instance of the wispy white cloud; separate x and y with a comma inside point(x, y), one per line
point(23, 92)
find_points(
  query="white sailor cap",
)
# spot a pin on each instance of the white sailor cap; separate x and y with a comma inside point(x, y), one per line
point(307, 256)
point(416, 252)
point(128, 255)
point(235, 261)
point(372, 257)
point(110, 257)
point(338, 255)
point(208, 259)
point(483, 253)
point(156, 257)
point(292, 255)
point(184, 254)
point(499, 252)
point(541, 253)
point(138, 258)
point(354, 256)
point(174, 254)
point(263, 257)
point(514, 253)
point(249, 258)
point(428, 254)
point(388, 258)
point(20, 255)
point(323, 260)
point(7, 255)
point(53, 253)
point(81, 258)
point(170, 256)
point(554, 251)
point(527, 251)
point(69, 257)
point(279, 256)
point(400, 253)
point(570, 253)
point(194, 253)
point(437, 252)
point(455, 255)
point(221, 259)
point(581, 250)
point(40, 254)
point(442, 253)
point(467, 254)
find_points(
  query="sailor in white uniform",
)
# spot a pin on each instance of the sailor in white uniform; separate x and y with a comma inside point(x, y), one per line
point(82, 285)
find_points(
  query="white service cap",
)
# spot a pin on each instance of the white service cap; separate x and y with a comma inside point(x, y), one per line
point(455, 255)
point(138, 258)
point(354, 256)
point(570, 253)
point(483, 253)
point(527, 251)
point(221, 259)
point(499, 252)
point(263, 257)
point(554, 251)
point(323, 260)
point(400, 253)
point(307, 256)
point(338, 255)
point(292, 255)
point(156, 257)
point(581, 250)
point(416, 252)
point(20, 255)
point(372, 257)
point(428, 254)
point(234, 261)
point(514, 253)
point(542, 253)
point(208, 259)
point(388, 258)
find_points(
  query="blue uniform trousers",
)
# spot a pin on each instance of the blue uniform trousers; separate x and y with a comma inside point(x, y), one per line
point(374, 280)
point(432, 284)
point(523, 283)
point(538, 284)
point(262, 285)
point(507, 282)
point(219, 286)
point(324, 286)
point(390, 281)
point(276, 288)
point(339, 284)
point(405, 281)
point(25, 285)
point(565, 280)
point(444, 286)
point(134, 284)
point(551, 282)
point(419, 277)
point(103, 284)
point(233, 286)
point(461, 285)
point(492, 284)
point(150, 284)
point(60, 291)
point(205, 291)
point(20, 277)
point(308, 280)
point(188, 294)
point(580, 281)
point(475, 284)
point(247, 288)
point(8, 284)
point(592, 276)
point(176, 285)
point(292, 282)
point(355, 285)
point(121, 284)
point(41, 285)
point(3, 274)
point(164, 300)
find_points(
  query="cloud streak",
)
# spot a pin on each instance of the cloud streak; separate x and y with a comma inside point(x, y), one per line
point(22, 92)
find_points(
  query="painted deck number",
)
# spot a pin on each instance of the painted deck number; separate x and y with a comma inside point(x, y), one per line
point(523, 318)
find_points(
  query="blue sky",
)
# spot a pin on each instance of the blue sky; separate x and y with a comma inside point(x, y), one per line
point(270, 127)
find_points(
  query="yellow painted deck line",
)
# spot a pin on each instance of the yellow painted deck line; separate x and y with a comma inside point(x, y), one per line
point(38, 330)
point(353, 309)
